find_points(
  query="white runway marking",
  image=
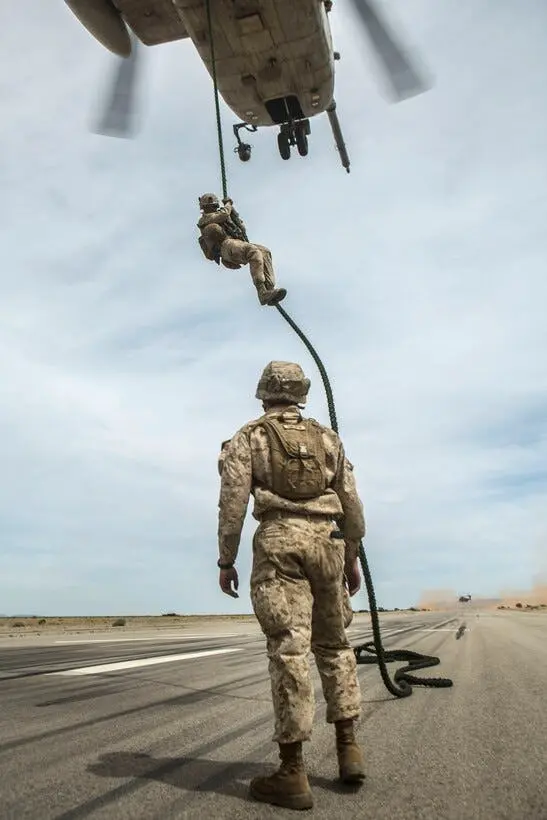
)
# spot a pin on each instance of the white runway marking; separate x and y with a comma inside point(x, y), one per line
point(134, 664)
point(153, 638)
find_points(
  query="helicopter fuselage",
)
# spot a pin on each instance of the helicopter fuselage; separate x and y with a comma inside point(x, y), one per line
point(274, 58)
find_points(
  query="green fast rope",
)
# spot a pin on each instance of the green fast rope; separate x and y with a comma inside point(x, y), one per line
point(415, 660)
point(381, 656)
point(223, 176)
point(217, 103)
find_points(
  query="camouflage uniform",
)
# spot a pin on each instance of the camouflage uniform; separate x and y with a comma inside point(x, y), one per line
point(223, 238)
point(297, 581)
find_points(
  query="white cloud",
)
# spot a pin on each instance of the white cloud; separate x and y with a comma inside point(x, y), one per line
point(125, 359)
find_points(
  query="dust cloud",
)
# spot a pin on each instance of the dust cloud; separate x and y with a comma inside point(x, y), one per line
point(535, 596)
point(442, 599)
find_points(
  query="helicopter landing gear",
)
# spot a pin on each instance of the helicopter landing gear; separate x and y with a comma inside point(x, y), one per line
point(243, 149)
point(301, 136)
point(293, 133)
point(284, 144)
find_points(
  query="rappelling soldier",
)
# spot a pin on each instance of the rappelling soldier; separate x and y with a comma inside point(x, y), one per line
point(303, 574)
point(223, 239)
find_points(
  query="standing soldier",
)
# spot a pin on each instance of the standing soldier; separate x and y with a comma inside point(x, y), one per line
point(223, 238)
point(302, 483)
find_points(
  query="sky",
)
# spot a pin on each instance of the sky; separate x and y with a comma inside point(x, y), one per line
point(126, 358)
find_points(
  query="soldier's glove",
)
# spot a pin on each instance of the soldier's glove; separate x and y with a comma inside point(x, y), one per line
point(231, 201)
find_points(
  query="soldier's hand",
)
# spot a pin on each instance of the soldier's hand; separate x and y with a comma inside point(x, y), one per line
point(353, 577)
point(226, 578)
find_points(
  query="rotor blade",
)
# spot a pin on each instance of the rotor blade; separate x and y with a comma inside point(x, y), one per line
point(119, 114)
point(104, 22)
point(404, 78)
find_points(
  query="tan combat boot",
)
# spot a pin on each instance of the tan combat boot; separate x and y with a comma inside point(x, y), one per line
point(288, 787)
point(270, 297)
point(350, 758)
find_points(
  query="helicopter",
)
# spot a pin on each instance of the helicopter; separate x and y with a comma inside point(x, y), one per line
point(274, 60)
point(464, 599)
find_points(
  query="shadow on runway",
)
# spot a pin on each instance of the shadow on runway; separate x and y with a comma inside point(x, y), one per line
point(229, 779)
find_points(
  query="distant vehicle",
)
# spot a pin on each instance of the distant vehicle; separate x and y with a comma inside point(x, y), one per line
point(465, 598)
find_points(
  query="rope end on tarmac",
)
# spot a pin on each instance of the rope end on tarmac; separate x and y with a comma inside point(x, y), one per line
point(402, 676)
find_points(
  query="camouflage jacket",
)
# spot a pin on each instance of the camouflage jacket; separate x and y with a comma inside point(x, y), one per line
point(245, 469)
point(228, 219)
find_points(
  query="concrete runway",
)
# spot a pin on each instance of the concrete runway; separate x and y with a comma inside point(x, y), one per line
point(159, 727)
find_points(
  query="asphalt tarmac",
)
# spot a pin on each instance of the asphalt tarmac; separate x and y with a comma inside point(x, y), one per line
point(174, 726)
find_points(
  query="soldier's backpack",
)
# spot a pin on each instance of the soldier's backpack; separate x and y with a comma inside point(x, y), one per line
point(298, 457)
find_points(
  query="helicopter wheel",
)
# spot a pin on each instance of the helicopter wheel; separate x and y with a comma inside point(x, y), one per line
point(301, 140)
point(284, 145)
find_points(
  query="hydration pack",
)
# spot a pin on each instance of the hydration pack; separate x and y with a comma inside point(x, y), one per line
point(298, 457)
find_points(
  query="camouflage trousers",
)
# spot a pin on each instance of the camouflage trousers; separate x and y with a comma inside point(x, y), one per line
point(301, 604)
point(258, 257)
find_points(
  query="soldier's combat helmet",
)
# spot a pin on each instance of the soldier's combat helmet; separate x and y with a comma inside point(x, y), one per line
point(283, 381)
point(209, 202)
